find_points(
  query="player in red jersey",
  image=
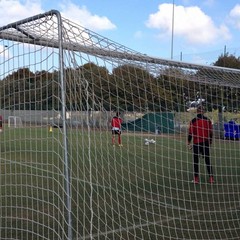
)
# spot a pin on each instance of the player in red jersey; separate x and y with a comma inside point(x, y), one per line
point(200, 131)
point(116, 129)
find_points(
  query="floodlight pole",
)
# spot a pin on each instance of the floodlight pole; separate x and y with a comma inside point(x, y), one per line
point(173, 8)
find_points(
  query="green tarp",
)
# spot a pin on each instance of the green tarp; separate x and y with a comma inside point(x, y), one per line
point(152, 122)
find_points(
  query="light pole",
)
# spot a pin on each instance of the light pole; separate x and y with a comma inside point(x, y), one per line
point(172, 28)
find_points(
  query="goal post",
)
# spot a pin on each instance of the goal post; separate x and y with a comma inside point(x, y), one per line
point(72, 182)
point(14, 122)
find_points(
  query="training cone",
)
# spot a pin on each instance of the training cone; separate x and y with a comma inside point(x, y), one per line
point(50, 129)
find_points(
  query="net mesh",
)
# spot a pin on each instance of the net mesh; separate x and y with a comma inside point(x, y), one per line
point(61, 175)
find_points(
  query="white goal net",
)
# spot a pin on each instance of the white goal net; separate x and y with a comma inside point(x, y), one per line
point(14, 122)
point(72, 176)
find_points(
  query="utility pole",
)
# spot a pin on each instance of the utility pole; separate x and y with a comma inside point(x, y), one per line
point(173, 8)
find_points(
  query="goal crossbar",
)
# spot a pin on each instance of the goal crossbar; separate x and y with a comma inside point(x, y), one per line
point(14, 32)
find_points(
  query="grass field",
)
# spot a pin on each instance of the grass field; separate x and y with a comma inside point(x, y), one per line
point(133, 192)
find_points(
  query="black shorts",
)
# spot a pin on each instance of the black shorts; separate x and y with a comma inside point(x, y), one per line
point(116, 132)
point(201, 148)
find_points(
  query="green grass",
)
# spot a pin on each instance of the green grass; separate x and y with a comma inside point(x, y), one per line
point(134, 192)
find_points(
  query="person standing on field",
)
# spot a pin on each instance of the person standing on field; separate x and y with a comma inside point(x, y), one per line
point(201, 133)
point(116, 129)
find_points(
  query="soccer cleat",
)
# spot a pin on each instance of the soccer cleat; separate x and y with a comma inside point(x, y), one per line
point(196, 180)
point(211, 180)
point(120, 145)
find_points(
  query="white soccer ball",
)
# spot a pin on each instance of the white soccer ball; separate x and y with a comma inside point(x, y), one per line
point(152, 141)
point(149, 141)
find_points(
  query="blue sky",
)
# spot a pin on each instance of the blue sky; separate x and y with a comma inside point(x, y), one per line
point(202, 29)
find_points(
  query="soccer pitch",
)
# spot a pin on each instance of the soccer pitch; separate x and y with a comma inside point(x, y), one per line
point(129, 192)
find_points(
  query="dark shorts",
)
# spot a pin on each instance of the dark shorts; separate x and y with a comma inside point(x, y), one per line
point(116, 132)
point(201, 149)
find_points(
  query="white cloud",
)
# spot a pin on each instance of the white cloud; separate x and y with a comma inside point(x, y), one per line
point(235, 16)
point(14, 10)
point(190, 23)
point(82, 16)
point(4, 52)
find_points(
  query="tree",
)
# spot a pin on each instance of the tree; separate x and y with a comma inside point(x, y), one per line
point(228, 60)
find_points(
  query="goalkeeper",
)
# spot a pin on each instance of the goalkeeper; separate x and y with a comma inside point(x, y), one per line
point(116, 129)
point(200, 131)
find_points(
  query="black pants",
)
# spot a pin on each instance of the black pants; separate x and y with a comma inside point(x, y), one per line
point(204, 150)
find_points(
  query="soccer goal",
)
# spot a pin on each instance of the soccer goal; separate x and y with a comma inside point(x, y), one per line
point(72, 182)
point(14, 122)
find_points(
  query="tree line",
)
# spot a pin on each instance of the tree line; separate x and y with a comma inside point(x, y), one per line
point(127, 87)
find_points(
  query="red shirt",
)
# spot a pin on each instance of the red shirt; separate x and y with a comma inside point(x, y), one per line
point(116, 122)
point(200, 130)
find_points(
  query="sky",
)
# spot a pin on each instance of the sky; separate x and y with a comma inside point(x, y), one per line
point(185, 30)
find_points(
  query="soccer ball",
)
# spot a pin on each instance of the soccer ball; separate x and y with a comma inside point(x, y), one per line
point(152, 141)
point(146, 143)
point(149, 141)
